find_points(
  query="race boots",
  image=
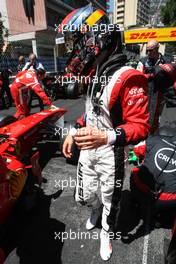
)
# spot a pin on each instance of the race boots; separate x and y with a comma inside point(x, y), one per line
point(105, 245)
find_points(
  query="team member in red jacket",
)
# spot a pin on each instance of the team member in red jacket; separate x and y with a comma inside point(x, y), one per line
point(116, 115)
point(24, 81)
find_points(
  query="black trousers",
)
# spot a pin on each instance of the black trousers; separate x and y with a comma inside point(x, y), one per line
point(6, 89)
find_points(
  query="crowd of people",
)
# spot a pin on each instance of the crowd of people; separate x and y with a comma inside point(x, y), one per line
point(126, 110)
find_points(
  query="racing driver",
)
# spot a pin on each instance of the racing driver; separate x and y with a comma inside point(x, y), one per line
point(24, 81)
point(116, 115)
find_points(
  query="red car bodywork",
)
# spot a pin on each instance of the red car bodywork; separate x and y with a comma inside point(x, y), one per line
point(16, 142)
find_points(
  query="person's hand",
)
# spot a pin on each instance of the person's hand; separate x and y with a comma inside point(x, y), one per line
point(90, 138)
point(66, 149)
point(53, 107)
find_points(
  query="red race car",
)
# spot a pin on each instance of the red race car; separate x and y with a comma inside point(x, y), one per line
point(19, 157)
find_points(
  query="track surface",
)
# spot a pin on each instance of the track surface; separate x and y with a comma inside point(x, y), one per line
point(33, 235)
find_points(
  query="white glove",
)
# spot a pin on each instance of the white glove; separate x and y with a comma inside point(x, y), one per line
point(53, 107)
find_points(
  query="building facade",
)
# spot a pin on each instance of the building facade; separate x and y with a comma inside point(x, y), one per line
point(131, 12)
point(32, 26)
point(155, 12)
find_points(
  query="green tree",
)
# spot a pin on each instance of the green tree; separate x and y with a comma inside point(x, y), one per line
point(168, 13)
point(168, 16)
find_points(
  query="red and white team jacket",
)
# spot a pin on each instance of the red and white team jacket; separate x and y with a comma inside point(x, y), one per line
point(26, 80)
point(121, 107)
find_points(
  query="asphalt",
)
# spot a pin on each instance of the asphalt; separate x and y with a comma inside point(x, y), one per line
point(35, 237)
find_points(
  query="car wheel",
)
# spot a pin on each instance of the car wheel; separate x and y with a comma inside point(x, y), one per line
point(72, 90)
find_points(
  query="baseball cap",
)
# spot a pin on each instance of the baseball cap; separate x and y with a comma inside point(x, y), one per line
point(152, 44)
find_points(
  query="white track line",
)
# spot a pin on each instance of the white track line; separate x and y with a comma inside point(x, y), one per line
point(146, 237)
point(145, 249)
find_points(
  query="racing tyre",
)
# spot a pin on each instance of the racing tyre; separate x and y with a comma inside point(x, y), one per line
point(72, 90)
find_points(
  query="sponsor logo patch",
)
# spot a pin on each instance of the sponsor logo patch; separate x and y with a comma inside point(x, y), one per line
point(165, 158)
point(136, 91)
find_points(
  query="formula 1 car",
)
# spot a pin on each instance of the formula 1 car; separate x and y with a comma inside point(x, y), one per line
point(62, 84)
point(20, 171)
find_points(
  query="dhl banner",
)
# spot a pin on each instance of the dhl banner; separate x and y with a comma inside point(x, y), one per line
point(144, 35)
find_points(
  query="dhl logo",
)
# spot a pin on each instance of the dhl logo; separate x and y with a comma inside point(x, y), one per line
point(140, 36)
point(150, 35)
